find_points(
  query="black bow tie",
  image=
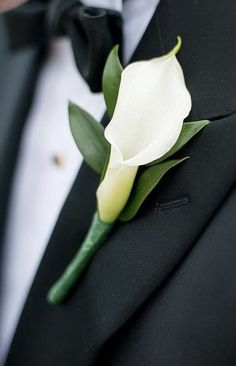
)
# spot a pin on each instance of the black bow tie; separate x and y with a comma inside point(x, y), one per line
point(93, 32)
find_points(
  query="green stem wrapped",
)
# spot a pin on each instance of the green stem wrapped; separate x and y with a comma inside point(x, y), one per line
point(95, 237)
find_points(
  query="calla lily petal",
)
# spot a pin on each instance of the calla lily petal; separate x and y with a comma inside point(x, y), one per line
point(114, 190)
point(152, 103)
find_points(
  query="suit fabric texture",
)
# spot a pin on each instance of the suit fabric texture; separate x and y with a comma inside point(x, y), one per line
point(161, 291)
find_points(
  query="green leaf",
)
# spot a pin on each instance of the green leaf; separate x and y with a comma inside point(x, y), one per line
point(111, 80)
point(89, 137)
point(189, 130)
point(144, 184)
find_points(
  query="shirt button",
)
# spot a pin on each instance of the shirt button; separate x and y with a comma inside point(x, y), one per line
point(58, 160)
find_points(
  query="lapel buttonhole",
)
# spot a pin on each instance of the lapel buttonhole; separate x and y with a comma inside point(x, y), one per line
point(171, 204)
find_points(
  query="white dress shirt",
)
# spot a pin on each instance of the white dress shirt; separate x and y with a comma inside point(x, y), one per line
point(49, 162)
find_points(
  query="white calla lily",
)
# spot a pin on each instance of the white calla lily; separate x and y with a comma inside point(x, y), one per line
point(152, 103)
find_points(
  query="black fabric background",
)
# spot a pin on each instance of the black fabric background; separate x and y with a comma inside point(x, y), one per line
point(161, 291)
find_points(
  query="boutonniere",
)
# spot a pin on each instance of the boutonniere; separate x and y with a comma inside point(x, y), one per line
point(147, 103)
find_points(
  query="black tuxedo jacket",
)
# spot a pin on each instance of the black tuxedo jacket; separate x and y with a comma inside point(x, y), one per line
point(162, 290)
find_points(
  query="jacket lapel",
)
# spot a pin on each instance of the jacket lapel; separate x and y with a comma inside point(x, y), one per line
point(17, 75)
point(135, 261)
point(139, 256)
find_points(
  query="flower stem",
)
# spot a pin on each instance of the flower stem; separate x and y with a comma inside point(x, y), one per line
point(95, 237)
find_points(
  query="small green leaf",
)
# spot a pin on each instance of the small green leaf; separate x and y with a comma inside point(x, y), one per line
point(89, 137)
point(189, 130)
point(111, 80)
point(144, 184)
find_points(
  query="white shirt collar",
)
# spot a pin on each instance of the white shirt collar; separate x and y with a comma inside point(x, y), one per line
point(107, 4)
